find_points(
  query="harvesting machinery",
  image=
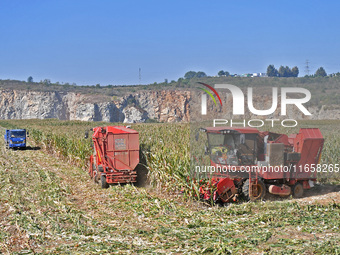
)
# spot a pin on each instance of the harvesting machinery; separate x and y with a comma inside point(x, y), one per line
point(246, 162)
point(116, 155)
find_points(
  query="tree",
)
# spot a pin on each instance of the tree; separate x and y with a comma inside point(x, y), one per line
point(47, 82)
point(221, 73)
point(193, 74)
point(200, 74)
point(190, 75)
point(295, 71)
point(271, 71)
point(284, 71)
point(226, 73)
point(288, 72)
point(321, 72)
point(30, 79)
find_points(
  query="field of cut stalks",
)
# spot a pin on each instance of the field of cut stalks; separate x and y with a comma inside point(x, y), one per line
point(164, 148)
point(48, 204)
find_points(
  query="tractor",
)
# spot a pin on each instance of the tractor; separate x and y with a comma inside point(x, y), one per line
point(248, 163)
point(115, 156)
point(15, 138)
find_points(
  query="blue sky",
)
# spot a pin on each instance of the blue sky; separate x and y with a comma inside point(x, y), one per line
point(106, 42)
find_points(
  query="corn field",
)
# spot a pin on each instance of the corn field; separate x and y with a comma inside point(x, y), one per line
point(49, 206)
point(165, 147)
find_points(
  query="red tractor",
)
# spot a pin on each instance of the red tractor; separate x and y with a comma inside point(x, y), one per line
point(116, 155)
point(247, 162)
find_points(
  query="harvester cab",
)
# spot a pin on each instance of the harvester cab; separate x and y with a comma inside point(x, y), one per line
point(232, 147)
point(249, 163)
point(116, 155)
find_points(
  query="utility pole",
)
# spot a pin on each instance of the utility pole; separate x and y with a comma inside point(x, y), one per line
point(307, 67)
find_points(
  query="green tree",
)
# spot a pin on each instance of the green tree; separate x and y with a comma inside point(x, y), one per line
point(271, 71)
point(288, 72)
point(47, 82)
point(190, 75)
point(200, 74)
point(221, 73)
point(226, 73)
point(321, 72)
point(283, 72)
point(295, 71)
point(30, 79)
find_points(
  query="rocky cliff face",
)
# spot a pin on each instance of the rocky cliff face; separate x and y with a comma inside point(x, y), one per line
point(165, 106)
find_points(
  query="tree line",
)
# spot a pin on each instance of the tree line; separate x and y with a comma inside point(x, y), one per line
point(193, 74)
point(285, 71)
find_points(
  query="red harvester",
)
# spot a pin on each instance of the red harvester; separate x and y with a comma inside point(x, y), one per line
point(250, 163)
point(116, 155)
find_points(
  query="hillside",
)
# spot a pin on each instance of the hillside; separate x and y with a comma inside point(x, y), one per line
point(156, 102)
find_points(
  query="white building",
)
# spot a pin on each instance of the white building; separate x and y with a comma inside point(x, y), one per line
point(259, 75)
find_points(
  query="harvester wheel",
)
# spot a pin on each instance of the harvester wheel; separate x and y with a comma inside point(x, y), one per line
point(258, 190)
point(96, 177)
point(297, 190)
point(105, 185)
point(92, 171)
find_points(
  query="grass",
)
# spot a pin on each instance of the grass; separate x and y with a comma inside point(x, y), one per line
point(48, 205)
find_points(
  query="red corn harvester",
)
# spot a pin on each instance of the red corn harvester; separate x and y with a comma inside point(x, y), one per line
point(116, 155)
point(255, 162)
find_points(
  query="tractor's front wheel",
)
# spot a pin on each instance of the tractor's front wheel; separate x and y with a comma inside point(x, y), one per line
point(255, 191)
point(105, 185)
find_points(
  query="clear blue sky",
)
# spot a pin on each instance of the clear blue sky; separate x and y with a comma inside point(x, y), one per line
point(106, 42)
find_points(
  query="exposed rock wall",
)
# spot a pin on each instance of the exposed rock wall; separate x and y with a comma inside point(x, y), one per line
point(165, 106)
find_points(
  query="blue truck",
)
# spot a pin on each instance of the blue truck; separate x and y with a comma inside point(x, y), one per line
point(15, 138)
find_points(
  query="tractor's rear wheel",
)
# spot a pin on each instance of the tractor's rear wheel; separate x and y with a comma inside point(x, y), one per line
point(257, 193)
point(297, 190)
point(105, 185)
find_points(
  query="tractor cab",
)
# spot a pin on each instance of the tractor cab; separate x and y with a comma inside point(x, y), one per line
point(232, 146)
point(15, 138)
